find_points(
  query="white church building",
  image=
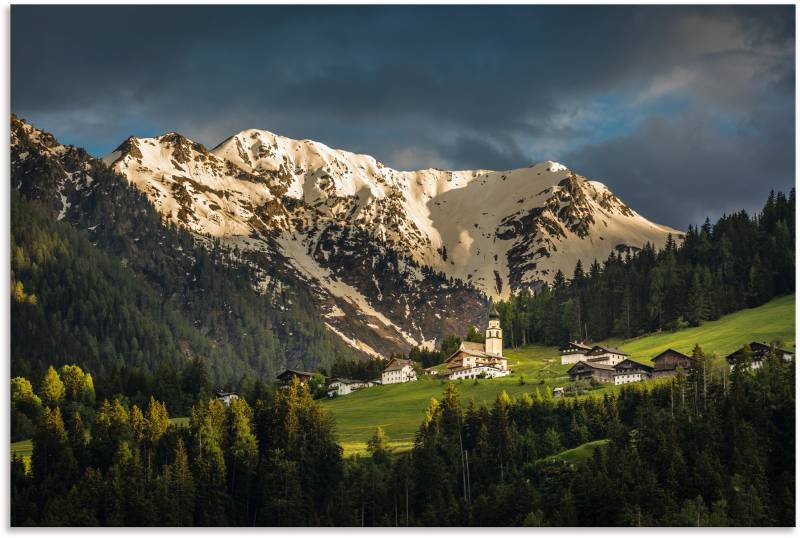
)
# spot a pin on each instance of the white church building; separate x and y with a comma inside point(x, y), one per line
point(473, 360)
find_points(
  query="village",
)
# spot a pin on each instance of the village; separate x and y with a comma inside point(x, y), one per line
point(596, 364)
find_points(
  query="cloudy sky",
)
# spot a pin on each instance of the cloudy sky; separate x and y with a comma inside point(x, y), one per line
point(683, 111)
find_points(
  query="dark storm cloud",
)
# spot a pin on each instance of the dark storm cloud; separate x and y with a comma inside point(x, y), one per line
point(610, 89)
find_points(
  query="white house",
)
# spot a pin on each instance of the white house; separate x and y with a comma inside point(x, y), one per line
point(759, 352)
point(343, 387)
point(472, 360)
point(606, 355)
point(573, 352)
point(398, 371)
point(226, 397)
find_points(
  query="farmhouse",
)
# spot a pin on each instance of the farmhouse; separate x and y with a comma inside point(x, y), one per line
point(605, 355)
point(398, 371)
point(287, 375)
point(627, 371)
point(342, 387)
point(473, 360)
point(603, 373)
point(667, 362)
point(573, 352)
point(760, 352)
point(225, 397)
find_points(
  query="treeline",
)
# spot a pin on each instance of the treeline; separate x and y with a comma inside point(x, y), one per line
point(738, 262)
point(702, 449)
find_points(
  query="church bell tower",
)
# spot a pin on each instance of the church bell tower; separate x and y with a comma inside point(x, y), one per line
point(494, 334)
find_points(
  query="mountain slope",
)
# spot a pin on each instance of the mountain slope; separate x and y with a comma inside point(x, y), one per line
point(199, 293)
point(394, 258)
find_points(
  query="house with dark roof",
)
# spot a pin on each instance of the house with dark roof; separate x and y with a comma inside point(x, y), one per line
point(666, 363)
point(225, 397)
point(624, 372)
point(573, 352)
point(605, 355)
point(629, 371)
point(287, 375)
point(603, 373)
point(760, 352)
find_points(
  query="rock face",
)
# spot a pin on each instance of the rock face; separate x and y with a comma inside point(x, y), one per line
point(394, 258)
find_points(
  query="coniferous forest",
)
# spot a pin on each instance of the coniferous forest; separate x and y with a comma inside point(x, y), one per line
point(698, 450)
point(739, 262)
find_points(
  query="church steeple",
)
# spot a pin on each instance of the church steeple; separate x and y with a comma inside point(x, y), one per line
point(494, 334)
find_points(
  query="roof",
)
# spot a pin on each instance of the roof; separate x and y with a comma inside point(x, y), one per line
point(298, 373)
point(472, 346)
point(598, 350)
point(345, 381)
point(670, 350)
point(221, 393)
point(493, 313)
point(397, 364)
point(644, 367)
point(474, 349)
point(591, 366)
point(571, 345)
point(758, 348)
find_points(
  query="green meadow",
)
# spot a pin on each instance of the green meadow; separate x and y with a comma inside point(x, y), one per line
point(399, 409)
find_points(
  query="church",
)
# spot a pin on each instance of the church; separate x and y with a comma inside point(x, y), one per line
point(473, 360)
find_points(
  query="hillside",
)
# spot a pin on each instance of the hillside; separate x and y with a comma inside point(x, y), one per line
point(131, 298)
point(399, 408)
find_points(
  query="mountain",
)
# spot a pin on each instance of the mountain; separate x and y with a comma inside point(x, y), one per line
point(102, 280)
point(393, 258)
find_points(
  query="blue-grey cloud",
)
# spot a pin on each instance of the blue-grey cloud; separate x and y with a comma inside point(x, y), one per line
point(608, 89)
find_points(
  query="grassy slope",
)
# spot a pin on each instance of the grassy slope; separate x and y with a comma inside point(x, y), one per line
point(399, 408)
point(579, 453)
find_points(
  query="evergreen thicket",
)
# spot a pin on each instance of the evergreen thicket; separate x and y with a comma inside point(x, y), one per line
point(737, 263)
point(701, 449)
point(140, 327)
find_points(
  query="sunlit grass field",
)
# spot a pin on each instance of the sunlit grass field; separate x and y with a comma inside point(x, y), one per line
point(399, 409)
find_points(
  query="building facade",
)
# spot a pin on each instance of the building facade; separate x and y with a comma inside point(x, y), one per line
point(624, 372)
point(398, 371)
point(666, 363)
point(760, 351)
point(343, 387)
point(573, 352)
point(605, 355)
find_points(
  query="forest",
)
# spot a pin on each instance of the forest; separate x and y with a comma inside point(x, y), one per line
point(738, 262)
point(697, 450)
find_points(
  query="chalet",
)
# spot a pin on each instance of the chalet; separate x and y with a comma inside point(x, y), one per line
point(605, 355)
point(287, 375)
point(473, 360)
point(343, 387)
point(573, 352)
point(629, 371)
point(760, 352)
point(558, 392)
point(398, 371)
point(598, 371)
point(225, 397)
point(667, 362)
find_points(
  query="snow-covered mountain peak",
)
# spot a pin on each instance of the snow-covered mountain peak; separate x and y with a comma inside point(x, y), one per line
point(339, 217)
